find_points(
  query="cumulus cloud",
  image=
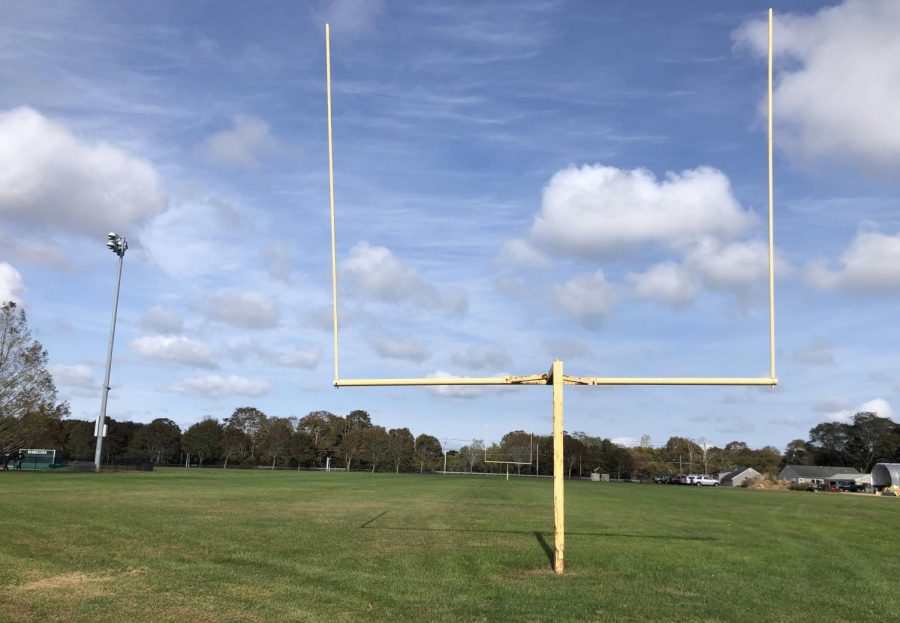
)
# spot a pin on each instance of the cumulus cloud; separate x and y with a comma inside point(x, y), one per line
point(668, 282)
point(78, 375)
point(215, 386)
point(245, 144)
point(159, 319)
point(588, 298)
point(246, 310)
point(836, 91)
point(870, 265)
point(480, 358)
point(377, 273)
point(175, 349)
point(878, 406)
point(405, 349)
point(599, 211)
point(12, 287)
point(51, 178)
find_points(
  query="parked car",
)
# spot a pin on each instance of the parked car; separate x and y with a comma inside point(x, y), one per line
point(705, 480)
point(677, 479)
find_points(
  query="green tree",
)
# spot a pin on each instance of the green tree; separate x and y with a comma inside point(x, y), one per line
point(27, 391)
point(402, 446)
point(204, 439)
point(235, 445)
point(250, 421)
point(275, 437)
point(428, 453)
point(160, 440)
point(377, 445)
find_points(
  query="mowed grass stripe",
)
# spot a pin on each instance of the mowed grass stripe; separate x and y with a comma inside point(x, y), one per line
point(240, 545)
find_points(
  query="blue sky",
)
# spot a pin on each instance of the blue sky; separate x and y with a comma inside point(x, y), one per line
point(515, 182)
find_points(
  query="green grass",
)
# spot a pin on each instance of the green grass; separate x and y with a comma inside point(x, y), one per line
point(214, 545)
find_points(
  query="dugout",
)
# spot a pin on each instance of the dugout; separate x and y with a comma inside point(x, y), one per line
point(41, 458)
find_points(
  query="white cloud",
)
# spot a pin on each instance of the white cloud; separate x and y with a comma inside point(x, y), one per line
point(740, 267)
point(12, 288)
point(247, 310)
point(50, 178)
point(836, 91)
point(588, 298)
point(299, 358)
point(351, 17)
point(409, 349)
point(870, 265)
point(480, 358)
point(161, 319)
point(215, 386)
point(668, 282)
point(244, 144)
point(518, 252)
point(175, 349)
point(78, 375)
point(879, 406)
point(598, 211)
point(39, 251)
point(293, 358)
point(198, 237)
point(462, 391)
point(377, 273)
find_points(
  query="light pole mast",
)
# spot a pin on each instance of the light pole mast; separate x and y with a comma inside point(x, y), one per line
point(118, 245)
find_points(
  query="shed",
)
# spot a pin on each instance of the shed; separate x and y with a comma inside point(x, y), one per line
point(886, 475)
point(736, 477)
point(812, 474)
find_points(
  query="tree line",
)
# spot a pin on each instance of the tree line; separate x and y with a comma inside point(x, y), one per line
point(31, 416)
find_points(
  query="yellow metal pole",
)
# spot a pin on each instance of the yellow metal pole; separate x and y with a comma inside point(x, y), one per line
point(771, 224)
point(331, 196)
point(559, 510)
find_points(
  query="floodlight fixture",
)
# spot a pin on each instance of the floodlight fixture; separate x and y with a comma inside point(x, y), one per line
point(555, 376)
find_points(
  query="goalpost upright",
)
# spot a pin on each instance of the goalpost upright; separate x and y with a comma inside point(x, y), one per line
point(555, 377)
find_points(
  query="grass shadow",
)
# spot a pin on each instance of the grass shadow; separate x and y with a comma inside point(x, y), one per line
point(545, 546)
point(537, 534)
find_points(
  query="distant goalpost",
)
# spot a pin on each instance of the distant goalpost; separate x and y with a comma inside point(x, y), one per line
point(555, 377)
point(508, 462)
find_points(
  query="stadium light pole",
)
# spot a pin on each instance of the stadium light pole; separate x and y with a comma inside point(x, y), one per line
point(118, 245)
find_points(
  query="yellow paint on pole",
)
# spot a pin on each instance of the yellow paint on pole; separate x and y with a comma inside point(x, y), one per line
point(559, 503)
point(331, 196)
point(771, 222)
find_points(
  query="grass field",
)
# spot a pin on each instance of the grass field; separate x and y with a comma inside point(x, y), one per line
point(214, 545)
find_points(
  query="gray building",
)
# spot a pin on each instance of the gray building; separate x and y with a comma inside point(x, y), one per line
point(812, 474)
point(736, 477)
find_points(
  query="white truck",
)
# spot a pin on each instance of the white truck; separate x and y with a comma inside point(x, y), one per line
point(702, 480)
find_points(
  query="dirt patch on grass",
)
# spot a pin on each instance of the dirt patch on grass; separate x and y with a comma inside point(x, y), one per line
point(677, 592)
point(64, 581)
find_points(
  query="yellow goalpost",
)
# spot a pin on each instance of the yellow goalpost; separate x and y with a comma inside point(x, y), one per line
point(555, 377)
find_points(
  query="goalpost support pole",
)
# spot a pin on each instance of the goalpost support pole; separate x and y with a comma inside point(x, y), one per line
point(559, 512)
